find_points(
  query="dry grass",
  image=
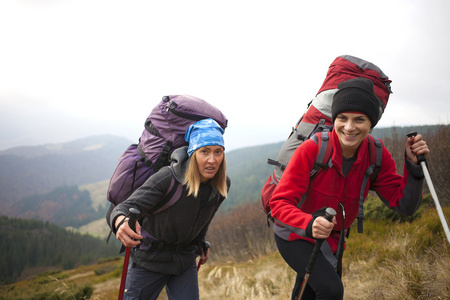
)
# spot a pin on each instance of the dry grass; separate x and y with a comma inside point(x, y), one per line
point(264, 278)
point(409, 261)
point(407, 275)
point(426, 277)
point(389, 261)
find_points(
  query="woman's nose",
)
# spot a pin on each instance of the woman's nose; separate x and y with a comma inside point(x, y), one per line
point(211, 158)
point(349, 125)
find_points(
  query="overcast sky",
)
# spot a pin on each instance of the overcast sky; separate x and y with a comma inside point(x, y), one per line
point(72, 69)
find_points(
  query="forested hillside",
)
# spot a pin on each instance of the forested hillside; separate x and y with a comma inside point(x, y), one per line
point(35, 245)
point(65, 206)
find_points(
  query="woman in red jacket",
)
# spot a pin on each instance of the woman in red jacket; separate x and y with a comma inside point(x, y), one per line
point(355, 112)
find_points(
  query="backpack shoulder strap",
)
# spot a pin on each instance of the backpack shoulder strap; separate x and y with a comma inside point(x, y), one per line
point(323, 160)
point(375, 155)
point(171, 196)
point(375, 158)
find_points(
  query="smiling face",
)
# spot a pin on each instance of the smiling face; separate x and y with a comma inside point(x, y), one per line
point(351, 129)
point(209, 159)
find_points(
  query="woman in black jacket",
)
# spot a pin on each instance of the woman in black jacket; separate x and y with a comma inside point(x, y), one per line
point(167, 243)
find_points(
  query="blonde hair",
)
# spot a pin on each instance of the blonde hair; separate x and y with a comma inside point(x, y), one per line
point(192, 177)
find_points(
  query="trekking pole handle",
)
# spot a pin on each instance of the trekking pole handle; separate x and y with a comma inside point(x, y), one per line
point(420, 157)
point(329, 214)
point(206, 246)
point(133, 213)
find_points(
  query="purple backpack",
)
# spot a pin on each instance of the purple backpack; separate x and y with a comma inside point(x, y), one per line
point(164, 132)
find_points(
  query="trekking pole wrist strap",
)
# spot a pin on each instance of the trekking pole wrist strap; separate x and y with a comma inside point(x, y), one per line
point(121, 222)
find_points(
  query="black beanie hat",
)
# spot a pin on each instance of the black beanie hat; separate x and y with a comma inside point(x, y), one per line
point(356, 95)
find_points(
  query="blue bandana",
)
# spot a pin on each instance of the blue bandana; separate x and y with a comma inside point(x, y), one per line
point(204, 133)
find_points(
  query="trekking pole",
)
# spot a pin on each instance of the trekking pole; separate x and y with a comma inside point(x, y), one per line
point(133, 213)
point(329, 214)
point(205, 248)
point(421, 159)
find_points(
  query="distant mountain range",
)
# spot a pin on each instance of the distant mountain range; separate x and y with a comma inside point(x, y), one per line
point(37, 182)
point(26, 171)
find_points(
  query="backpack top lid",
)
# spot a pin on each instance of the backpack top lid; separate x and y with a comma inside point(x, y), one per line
point(347, 67)
point(175, 113)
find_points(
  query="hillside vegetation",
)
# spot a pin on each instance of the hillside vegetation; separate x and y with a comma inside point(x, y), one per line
point(64, 206)
point(31, 246)
point(396, 260)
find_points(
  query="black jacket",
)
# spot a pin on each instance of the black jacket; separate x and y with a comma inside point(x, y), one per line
point(182, 226)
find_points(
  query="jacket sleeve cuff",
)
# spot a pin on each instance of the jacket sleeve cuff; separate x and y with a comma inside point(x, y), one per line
point(309, 228)
point(414, 170)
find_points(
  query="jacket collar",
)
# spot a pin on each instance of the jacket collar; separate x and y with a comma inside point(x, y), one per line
point(179, 163)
